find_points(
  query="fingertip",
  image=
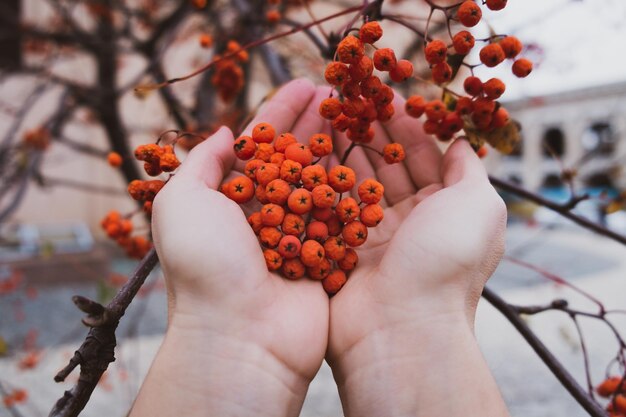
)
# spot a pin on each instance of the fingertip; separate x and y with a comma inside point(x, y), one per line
point(460, 162)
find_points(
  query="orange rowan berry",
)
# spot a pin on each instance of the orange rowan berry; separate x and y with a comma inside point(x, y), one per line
point(293, 268)
point(254, 220)
point(19, 395)
point(334, 281)
point(386, 113)
point(240, 189)
point(323, 196)
point(334, 225)
point(371, 86)
point(496, 4)
point(494, 88)
point(500, 118)
point(463, 42)
point(402, 71)
point(482, 122)
point(289, 246)
point(336, 73)
point(473, 86)
point(341, 123)
point(350, 50)
point(321, 144)
point(347, 209)
point(234, 46)
point(272, 215)
point(149, 152)
point(362, 133)
point(314, 175)
point(393, 153)
point(273, 16)
point(283, 140)
point(370, 32)
point(299, 153)
point(414, 106)
point(114, 159)
point(464, 105)
point(482, 152)
point(251, 167)
point(264, 151)
point(335, 248)
point(430, 127)
point(291, 171)
point(349, 261)
point(153, 168)
point(362, 69)
point(370, 191)
point(442, 73)
point(277, 158)
point(266, 173)
point(372, 215)
point(317, 230)
point(353, 107)
point(293, 224)
point(322, 214)
point(277, 191)
point(270, 236)
point(436, 52)
point(469, 14)
point(206, 40)
point(435, 110)
point(351, 89)
point(620, 403)
point(491, 55)
point(484, 107)
point(8, 401)
point(609, 386)
point(312, 253)
point(341, 178)
point(330, 108)
point(320, 271)
point(384, 96)
point(126, 226)
point(152, 187)
point(451, 124)
point(136, 190)
point(300, 201)
point(354, 233)
point(385, 59)
point(511, 46)
point(273, 260)
point(147, 207)
point(261, 195)
point(245, 148)
point(263, 133)
point(522, 67)
point(168, 162)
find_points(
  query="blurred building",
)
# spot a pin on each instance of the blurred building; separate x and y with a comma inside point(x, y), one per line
point(582, 130)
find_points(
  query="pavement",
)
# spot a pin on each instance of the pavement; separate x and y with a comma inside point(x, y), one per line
point(592, 263)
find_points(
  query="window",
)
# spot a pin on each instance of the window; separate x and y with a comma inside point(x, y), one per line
point(599, 139)
point(553, 142)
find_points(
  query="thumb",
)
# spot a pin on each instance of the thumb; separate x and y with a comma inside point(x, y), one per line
point(460, 163)
point(210, 160)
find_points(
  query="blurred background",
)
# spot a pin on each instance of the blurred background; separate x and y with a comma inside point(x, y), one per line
point(67, 76)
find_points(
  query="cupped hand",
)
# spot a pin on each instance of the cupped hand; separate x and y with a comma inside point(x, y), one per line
point(216, 275)
point(441, 238)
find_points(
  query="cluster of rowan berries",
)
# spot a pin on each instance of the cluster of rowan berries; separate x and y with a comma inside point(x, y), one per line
point(38, 139)
point(228, 76)
point(615, 389)
point(273, 15)
point(306, 225)
point(157, 159)
point(364, 97)
point(14, 397)
point(119, 229)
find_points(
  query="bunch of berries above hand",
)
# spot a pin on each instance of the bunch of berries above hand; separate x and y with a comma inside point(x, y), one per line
point(419, 274)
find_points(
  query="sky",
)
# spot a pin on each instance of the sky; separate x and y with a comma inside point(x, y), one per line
point(582, 44)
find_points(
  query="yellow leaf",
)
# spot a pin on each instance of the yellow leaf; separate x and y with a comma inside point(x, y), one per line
point(614, 206)
point(4, 347)
point(505, 139)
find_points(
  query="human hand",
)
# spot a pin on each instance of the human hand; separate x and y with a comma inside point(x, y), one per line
point(255, 339)
point(407, 309)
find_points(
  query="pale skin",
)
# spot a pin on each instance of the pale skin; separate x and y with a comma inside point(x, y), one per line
point(399, 335)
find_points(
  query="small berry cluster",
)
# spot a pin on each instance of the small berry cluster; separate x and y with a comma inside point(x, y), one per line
point(364, 98)
point(157, 159)
point(16, 396)
point(228, 76)
point(305, 224)
point(38, 139)
point(119, 229)
point(614, 388)
point(273, 15)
